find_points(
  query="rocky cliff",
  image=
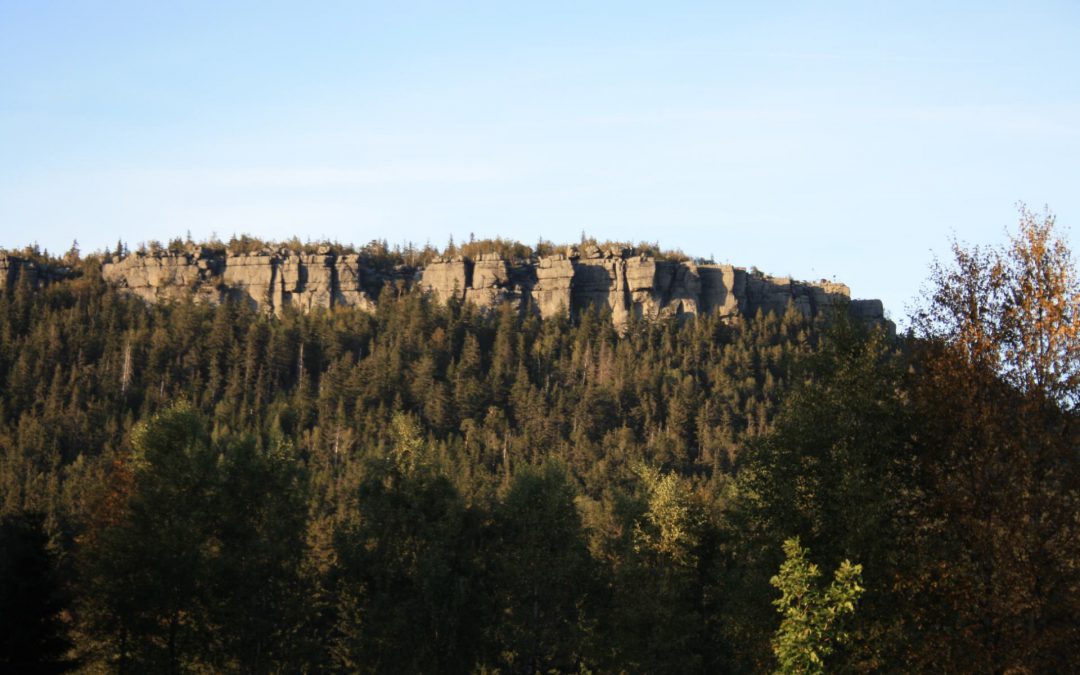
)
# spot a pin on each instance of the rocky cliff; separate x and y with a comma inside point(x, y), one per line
point(269, 280)
point(621, 281)
point(632, 285)
point(14, 269)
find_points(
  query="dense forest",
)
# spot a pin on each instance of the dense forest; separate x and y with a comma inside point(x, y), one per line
point(428, 488)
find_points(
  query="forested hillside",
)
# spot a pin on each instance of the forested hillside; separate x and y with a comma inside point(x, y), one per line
point(430, 487)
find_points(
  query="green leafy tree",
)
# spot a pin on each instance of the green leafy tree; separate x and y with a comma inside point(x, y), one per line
point(813, 623)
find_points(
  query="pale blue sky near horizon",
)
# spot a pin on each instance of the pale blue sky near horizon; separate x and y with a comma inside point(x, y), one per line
point(845, 140)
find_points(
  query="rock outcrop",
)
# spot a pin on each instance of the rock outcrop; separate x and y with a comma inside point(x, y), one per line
point(552, 293)
point(449, 278)
point(267, 280)
point(627, 284)
point(635, 286)
point(15, 269)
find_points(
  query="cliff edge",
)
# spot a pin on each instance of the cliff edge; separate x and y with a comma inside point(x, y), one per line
point(627, 283)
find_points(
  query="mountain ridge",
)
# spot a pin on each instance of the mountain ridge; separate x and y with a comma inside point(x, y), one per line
point(630, 283)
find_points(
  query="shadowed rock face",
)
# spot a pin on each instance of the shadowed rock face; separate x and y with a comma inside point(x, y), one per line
point(9, 267)
point(14, 269)
point(626, 284)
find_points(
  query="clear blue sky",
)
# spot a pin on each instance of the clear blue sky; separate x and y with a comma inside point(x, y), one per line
point(816, 139)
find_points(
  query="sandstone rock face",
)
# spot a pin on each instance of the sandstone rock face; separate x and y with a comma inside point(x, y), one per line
point(551, 294)
point(721, 288)
point(491, 284)
point(163, 277)
point(772, 294)
point(250, 278)
point(14, 269)
point(349, 289)
point(9, 267)
point(631, 286)
point(872, 312)
point(645, 284)
point(616, 280)
point(595, 283)
point(448, 279)
point(307, 281)
point(266, 280)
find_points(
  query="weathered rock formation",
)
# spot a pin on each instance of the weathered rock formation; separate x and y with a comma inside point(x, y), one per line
point(268, 280)
point(14, 269)
point(632, 285)
point(627, 284)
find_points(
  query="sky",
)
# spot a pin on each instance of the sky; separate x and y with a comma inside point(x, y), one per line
point(841, 140)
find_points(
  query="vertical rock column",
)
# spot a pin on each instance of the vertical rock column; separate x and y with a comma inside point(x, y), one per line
point(8, 269)
point(306, 282)
point(683, 299)
point(251, 278)
point(447, 279)
point(490, 285)
point(554, 282)
point(646, 283)
point(723, 287)
point(349, 283)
